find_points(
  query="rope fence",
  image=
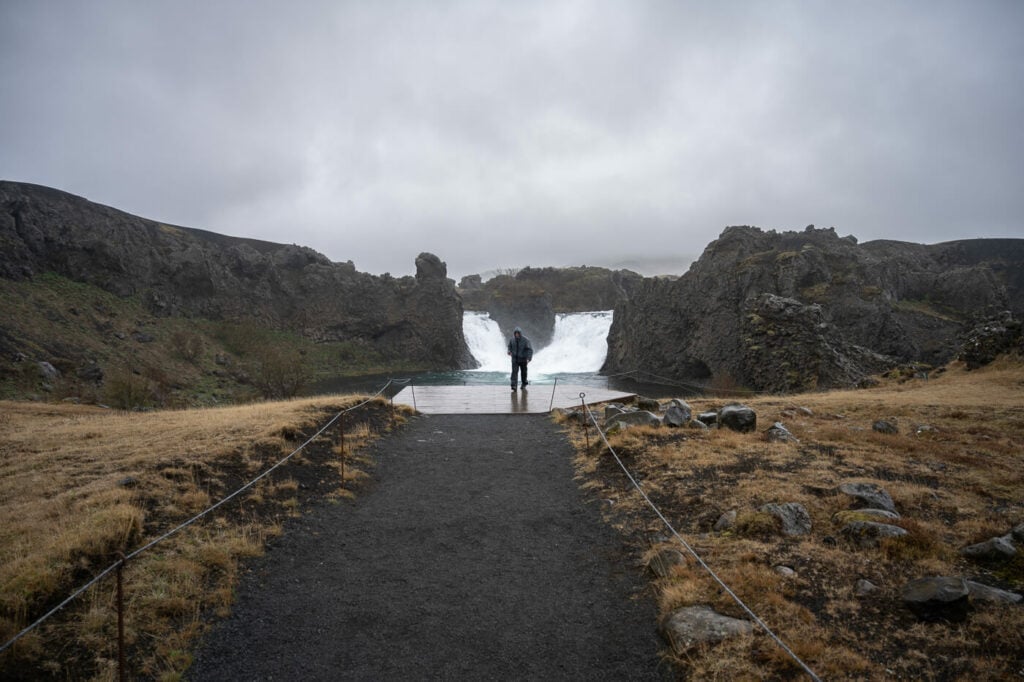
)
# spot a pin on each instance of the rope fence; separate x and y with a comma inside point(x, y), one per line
point(118, 565)
point(687, 546)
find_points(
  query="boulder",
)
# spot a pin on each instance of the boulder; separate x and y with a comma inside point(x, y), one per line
point(648, 404)
point(697, 424)
point(725, 521)
point(683, 406)
point(993, 549)
point(869, 494)
point(863, 588)
point(1018, 532)
point(613, 409)
point(47, 371)
point(849, 515)
point(994, 595)
point(708, 418)
point(937, 598)
point(869, 533)
point(627, 419)
point(737, 417)
point(693, 626)
point(780, 434)
point(675, 416)
point(793, 515)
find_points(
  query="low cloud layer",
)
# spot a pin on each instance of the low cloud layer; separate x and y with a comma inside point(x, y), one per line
point(498, 134)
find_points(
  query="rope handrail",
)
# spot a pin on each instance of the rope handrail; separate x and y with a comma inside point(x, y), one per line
point(120, 562)
point(696, 556)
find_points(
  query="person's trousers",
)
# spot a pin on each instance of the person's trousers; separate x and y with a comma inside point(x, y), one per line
point(518, 367)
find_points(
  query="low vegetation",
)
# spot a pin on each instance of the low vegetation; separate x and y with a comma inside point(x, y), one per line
point(80, 484)
point(954, 470)
point(112, 350)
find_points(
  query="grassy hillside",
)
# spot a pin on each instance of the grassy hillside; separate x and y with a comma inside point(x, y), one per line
point(954, 470)
point(78, 484)
point(112, 350)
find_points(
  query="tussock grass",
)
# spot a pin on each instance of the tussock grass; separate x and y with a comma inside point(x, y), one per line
point(955, 473)
point(78, 484)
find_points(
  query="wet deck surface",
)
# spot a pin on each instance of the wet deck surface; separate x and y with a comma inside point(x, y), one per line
point(535, 399)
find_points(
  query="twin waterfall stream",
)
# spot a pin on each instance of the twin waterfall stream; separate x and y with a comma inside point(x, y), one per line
point(579, 345)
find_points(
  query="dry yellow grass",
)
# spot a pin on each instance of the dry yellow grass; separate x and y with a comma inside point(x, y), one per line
point(956, 475)
point(79, 484)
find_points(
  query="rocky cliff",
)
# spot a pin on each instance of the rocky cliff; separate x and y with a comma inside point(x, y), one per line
point(798, 310)
point(180, 271)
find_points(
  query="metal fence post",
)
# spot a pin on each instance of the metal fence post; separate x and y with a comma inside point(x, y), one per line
point(122, 671)
point(583, 413)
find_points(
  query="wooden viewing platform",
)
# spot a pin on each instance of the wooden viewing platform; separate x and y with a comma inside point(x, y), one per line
point(498, 399)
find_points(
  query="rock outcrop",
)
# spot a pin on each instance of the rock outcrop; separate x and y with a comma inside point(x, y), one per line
point(180, 271)
point(794, 311)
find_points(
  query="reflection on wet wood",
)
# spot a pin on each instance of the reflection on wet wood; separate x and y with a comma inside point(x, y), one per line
point(535, 399)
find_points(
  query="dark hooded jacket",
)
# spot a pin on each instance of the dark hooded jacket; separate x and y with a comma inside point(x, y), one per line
point(520, 348)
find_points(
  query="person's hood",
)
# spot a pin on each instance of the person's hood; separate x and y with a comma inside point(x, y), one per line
point(517, 329)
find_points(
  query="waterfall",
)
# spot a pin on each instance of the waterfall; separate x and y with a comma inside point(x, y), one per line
point(485, 342)
point(579, 344)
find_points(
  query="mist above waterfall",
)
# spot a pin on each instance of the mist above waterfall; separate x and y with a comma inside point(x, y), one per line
point(579, 344)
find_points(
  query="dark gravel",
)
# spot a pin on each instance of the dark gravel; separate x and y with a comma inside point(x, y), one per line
point(472, 555)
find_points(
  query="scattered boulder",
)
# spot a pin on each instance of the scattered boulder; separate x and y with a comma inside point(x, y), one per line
point(1018, 532)
point(993, 549)
point(780, 434)
point(870, 494)
point(47, 371)
point(737, 417)
point(649, 404)
point(683, 406)
point(628, 419)
point(664, 562)
point(985, 593)
point(708, 418)
point(784, 571)
point(675, 416)
point(937, 598)
point(886, 427)
point(697, 424)
point(692, 626)
point(612, 409)
point(849, 515)
point(793, 515)
point(725, 521)
point(869, 533)
point(863, 588)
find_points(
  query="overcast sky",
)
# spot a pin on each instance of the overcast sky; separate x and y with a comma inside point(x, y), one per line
point(511, 133)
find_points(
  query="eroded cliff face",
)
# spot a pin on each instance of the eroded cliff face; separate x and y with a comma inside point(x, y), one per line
point(797, 310)
point(179, 271)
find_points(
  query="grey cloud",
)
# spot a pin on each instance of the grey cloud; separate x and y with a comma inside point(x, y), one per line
point(504, 134)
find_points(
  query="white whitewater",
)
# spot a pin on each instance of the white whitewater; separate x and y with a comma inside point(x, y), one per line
point(579, 344)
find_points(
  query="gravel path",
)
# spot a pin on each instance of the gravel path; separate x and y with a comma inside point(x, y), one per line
point(472, 555)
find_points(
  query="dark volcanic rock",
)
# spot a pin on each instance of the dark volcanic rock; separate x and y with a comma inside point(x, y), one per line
point(185, 271)
point(802, 310)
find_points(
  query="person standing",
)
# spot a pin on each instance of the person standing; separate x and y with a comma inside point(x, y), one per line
point(521, 352)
